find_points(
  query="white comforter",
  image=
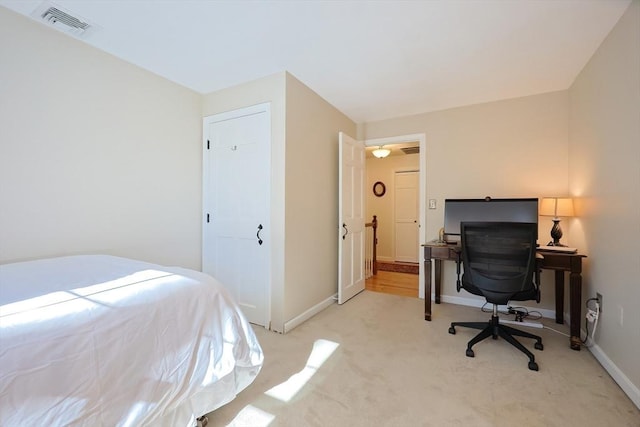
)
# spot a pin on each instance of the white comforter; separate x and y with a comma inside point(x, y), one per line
point(105, 341)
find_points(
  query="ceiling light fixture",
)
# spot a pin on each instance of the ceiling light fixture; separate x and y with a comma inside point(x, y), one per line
point(381, 152)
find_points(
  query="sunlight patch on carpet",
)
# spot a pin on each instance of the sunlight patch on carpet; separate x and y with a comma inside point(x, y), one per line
point(322, 350)
point(252, 416)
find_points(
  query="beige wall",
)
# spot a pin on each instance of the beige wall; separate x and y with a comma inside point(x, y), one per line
point(604, 168)
point(384, 170)
point(96, 155)
point(511, 148)
point(311, 257)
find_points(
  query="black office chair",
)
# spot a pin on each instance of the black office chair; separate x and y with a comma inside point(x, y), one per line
point(499, 261)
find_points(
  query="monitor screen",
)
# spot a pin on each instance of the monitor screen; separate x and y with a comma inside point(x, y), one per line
point(507, 210)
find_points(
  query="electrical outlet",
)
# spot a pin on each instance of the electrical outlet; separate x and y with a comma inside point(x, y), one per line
point(599, 297)
point(621, 315)
point(432, 203)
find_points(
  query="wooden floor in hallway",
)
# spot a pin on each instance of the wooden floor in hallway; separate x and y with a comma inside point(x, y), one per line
point(390, 282)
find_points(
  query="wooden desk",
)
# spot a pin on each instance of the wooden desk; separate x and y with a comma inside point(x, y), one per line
point(559, 262)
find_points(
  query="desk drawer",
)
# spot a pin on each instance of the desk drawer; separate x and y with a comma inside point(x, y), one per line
point(565, 262)
point(440, 252)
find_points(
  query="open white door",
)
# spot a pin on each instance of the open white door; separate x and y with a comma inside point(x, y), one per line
point(351, 216)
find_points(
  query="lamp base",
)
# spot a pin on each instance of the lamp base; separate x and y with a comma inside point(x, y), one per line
point(556, 233)
point(552, 243)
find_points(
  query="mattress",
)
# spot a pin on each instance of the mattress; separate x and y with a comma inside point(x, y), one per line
point(97, 340)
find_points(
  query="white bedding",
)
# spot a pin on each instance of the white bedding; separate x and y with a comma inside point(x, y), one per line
point(104, 341)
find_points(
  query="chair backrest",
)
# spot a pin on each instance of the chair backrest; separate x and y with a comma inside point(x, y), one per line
point(499, 258)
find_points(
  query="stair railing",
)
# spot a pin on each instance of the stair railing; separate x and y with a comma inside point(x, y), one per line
point(371, 241)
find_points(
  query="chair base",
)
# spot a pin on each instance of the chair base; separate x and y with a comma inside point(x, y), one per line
point(494, 329)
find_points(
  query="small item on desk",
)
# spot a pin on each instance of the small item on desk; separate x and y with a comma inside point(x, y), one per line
point(558, 249)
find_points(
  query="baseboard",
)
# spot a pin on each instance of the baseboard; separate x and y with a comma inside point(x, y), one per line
point(618, 376)
point(472, 302)
point(308, 314)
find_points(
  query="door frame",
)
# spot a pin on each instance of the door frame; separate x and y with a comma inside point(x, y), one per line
point(422, 187)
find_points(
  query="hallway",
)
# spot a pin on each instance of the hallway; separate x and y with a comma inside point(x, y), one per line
point(389, 282)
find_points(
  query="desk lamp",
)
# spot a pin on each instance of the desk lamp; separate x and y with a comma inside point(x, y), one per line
point(556, 207)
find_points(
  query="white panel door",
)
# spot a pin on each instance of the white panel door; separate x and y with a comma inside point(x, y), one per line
point(406, 216)
point(351, 275)
point(236, 201)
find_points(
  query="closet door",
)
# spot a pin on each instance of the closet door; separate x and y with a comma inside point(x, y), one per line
point(236, 246)
point(406, 210)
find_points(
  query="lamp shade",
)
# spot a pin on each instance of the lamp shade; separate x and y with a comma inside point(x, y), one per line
point(381, 152)
point(556, 206)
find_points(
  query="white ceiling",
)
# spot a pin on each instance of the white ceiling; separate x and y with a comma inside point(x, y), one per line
point(371, 59)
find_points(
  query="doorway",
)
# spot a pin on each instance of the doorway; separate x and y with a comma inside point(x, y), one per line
point(404, 141)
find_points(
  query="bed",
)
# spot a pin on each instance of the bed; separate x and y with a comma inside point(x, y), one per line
point(97, 340)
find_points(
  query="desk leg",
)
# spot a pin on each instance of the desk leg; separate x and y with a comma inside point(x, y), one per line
point(560, 296)
point(427, 289)
point(575, 288)
point(438, 279)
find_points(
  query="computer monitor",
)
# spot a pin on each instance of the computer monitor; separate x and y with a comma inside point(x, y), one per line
point(487, 209)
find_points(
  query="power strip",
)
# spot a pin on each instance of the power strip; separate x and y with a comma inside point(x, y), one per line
point(529, 324)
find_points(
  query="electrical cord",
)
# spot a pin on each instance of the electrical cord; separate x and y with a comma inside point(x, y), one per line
point(521, 313)
point(526, 314)
point(592, 316)
point(556, 331)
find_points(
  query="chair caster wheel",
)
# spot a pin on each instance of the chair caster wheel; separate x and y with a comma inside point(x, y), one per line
point(538, 346)
point(470, 353)
point(533, 366)
point(452, 330)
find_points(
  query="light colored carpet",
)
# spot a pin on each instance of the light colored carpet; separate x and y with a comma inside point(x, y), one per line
point(391, 368)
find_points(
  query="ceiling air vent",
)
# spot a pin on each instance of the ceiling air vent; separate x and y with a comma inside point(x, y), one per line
point(411, 150)
point(62, 20)
point(57, 18)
